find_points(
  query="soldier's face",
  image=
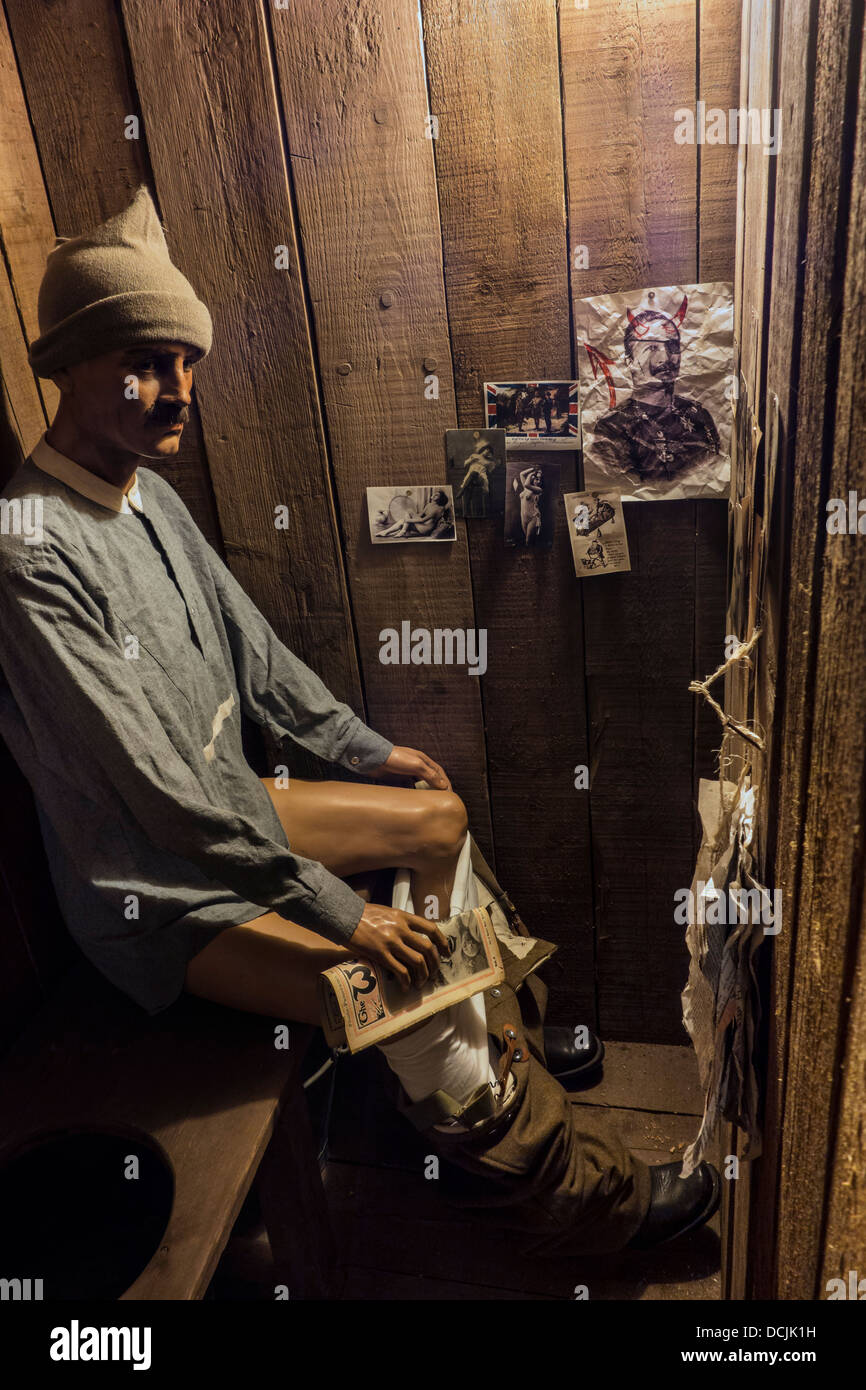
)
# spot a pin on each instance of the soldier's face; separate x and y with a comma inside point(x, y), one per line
point(654, 361)
point(136, 399)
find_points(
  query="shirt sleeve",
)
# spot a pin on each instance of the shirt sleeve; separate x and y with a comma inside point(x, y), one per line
point(67, 674)
point(279, 691)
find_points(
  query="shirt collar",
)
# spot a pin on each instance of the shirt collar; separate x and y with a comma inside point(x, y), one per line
point(86, 483)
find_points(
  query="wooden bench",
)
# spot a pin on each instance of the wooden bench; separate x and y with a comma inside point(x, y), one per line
point(203, 1083)
point(211, 1089)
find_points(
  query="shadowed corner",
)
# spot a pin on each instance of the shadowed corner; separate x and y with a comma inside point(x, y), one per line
point(11, 451)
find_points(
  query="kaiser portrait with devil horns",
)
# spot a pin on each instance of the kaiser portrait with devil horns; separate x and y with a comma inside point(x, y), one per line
point(658, 434)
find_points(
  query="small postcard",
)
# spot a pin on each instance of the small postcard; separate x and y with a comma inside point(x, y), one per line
point(531, 490)
point(476, 471)
point(410, 514)
point(596, 526)
point(534, 414)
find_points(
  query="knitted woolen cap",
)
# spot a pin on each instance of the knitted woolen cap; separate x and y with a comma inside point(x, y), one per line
point(112, 288)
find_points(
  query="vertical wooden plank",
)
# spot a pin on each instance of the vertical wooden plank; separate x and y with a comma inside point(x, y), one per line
point(354, 95)
point(230, 206)
point(719, 88)
point(22, 408)
point(845, 1235)
point(632, 201)
point(75, 73)
point(294, 1205)
point(795, 97)
point(502, 207)
point(26, 229)
point(734, 678)
point(742, 159)
point(719, 24)
point(821, 740)
point(20, 188)
point(760, 171)
point(754, 185)
point(840, 746)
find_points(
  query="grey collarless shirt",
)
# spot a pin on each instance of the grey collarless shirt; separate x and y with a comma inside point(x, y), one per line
point(127, 653)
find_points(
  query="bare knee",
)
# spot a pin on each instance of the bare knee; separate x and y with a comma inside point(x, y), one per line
point(439, 826)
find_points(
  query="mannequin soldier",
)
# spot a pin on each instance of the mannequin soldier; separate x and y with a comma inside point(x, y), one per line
point(128, 652)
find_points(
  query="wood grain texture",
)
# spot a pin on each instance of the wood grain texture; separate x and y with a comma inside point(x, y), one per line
point(26, 228)
point(759, 177)
point(719, 88)
point(228, 204)
point(632, 201)
point(843, 646)
point(502, 207)
point(795, 87)
point(742, 153)
point(77, 87)
point(353, 89)
point(755, 186)
point(719, 25)
point(821, 800)
point(23, 410)
point(626, 69)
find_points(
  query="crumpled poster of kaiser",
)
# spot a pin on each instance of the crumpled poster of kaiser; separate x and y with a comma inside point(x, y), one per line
point(655, 374)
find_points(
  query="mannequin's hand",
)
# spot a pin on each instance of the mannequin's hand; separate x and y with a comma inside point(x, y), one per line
point(410, 762)
point(398, 941)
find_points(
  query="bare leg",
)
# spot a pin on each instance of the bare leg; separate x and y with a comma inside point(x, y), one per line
point(351, 827)
point(271, 966)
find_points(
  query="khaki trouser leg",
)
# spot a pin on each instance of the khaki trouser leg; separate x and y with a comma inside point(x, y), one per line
point(542, 1167)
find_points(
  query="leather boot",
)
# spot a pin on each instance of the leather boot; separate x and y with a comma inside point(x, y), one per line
point(572, 1066)
point(677, 1204)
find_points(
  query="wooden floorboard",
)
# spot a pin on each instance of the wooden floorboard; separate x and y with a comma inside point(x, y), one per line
point(648, 1076)
point(397, 1239)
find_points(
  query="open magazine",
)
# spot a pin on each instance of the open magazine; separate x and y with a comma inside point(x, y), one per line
point(363, 1004)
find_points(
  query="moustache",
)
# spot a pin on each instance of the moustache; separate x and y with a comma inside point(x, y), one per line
point(163, 413)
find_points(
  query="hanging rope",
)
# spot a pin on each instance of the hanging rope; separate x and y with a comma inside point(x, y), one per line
point(703, 688)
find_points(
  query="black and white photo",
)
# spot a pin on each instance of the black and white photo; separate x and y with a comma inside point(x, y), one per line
point(476, 471)
point(410, 514)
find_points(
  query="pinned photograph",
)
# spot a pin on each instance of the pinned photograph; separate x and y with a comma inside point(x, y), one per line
point(410, 514)
point(655, 376)
point(476, 471)
point(534, 414)
point(596, 526)
point(531, 490)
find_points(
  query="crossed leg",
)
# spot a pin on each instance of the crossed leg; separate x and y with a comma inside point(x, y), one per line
point(270, 965)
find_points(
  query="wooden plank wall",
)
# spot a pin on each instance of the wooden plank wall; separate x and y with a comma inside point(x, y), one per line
point(626, 68)
point(799, 1217)
point(306, 126)
point(820, 837)
point(506, 278)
